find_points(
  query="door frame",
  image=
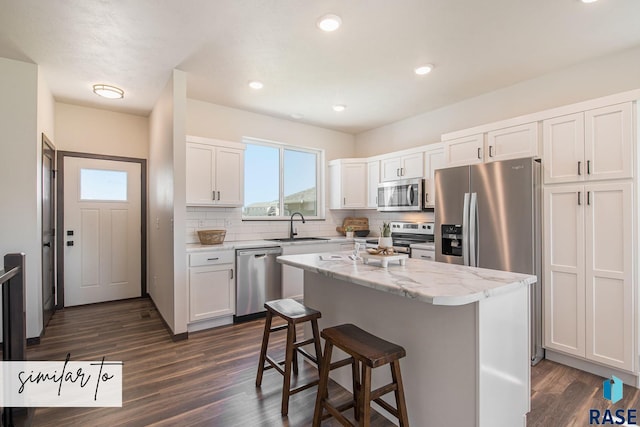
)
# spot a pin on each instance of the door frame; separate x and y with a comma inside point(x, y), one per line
point(60, 221)
point(48, 148)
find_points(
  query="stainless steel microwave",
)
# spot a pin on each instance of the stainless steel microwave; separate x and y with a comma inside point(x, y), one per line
point(401, 196)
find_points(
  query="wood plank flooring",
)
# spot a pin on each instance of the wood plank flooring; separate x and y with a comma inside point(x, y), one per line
point(209, 380)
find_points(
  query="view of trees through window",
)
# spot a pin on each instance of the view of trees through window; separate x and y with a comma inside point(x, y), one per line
point(280, 180)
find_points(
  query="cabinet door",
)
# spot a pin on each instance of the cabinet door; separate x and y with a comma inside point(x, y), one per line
point(563, 141)
point(211, 292)
point(608, 142)
point(433, 159)
point(609, 287)
point(354, 185)
point(412, 166)
point(229, 176)
point(512, 143)
point(390, 169)
point(373, 179)
point(464, 151)
point(564, 290)
point(200, 160)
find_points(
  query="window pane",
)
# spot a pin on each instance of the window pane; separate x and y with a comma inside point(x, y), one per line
point(261, 181)
point(98, 184)
point(300, 187)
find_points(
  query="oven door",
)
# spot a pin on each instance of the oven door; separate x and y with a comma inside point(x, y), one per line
point(398, 196)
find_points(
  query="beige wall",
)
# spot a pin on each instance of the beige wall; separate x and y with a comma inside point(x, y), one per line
point(592, 79)
point(92, 130)
point(19, 174)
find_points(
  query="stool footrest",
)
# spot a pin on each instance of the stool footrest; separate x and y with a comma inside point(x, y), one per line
point(390, 409)
point(377, 393)
point(341, 363)
point(308, 355)
point(336, 413)
point(278, 328)
point(301, 343)
point(304, 387)
point(273, 364)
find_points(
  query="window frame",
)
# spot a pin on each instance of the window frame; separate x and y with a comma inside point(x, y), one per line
point(320, 166)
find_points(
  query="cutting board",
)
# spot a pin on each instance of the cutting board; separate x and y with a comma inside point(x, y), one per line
point(354, 223)
point(384, 259)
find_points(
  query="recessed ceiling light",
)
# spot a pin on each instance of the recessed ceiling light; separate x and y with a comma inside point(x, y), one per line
point(589, 1)
point(296, 116)
point(424, 69)
point(339, 107)
point(256, 85)
point(107, 91)
point(329, 23)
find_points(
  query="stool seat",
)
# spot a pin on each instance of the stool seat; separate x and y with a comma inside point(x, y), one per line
point(363, 346)
point(291, 310)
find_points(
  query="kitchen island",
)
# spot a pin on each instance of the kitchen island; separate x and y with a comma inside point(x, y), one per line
point(465, 330)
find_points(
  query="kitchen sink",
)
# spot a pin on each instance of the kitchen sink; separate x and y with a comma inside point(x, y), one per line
point(296, 239)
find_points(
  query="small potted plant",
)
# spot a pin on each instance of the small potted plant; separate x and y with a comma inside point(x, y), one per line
point(349, 231)
point(385, 240)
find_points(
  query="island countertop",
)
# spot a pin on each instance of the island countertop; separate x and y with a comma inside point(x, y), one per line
point(431, 282)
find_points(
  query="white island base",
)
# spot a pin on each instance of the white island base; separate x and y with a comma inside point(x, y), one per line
point(466, 365)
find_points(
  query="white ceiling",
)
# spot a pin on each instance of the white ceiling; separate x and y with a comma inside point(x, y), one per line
point(476, 46)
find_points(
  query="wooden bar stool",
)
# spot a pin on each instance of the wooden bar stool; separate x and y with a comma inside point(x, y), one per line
point(294, 313)
point(369, 352)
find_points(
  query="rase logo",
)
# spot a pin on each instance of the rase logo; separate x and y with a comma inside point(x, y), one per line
point(612, 391)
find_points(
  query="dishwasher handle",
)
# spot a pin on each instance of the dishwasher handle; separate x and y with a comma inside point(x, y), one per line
point(259, 252)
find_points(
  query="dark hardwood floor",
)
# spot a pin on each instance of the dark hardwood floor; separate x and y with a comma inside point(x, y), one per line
point(209, 380)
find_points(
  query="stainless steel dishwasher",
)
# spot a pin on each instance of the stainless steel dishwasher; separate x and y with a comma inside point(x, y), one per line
point(259, 279)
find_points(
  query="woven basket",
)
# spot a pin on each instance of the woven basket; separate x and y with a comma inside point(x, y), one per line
point(211, 237)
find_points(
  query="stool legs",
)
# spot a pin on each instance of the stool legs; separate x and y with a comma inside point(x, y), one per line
point(288, 362)
point(323, 392)
point(263, 350)
point(365, 396)
point(403, 418)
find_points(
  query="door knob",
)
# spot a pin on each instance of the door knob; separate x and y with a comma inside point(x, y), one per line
point(48, 244)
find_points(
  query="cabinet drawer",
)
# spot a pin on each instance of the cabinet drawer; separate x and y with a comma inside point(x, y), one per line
point(211, 258)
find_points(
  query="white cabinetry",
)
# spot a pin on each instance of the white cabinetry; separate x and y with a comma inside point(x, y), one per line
point(588, 275)
point(293, 277)
point(594, 145)
point(211, 285)
point(373, 179)
point(402, 167)
point(501, 144)
point(433, 159)
point(348, 184)
point(215, 172)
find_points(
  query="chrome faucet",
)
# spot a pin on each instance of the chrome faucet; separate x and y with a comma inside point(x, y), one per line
point(292, 234)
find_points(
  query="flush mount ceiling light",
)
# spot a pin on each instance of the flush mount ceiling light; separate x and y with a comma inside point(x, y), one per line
point(256, 85)
point(424, 69)
point(329, 23)
point(589, 1)
point(339, 107)
point(107, 91)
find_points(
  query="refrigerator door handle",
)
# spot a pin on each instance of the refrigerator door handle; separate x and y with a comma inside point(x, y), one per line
point(473, 231)
point(465, 230)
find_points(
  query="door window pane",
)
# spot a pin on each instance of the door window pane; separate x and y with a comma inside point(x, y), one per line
point(300, 187)
point(99, 184)
point(261, 181)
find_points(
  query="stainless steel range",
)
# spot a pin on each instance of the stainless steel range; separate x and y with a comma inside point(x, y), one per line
point(408, 235)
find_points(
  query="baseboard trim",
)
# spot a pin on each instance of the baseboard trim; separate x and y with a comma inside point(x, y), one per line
point(33, 341)
point(174, 337)
point(594, 368)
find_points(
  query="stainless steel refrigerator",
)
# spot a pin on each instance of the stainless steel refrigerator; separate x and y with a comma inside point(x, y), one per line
point(489, 216)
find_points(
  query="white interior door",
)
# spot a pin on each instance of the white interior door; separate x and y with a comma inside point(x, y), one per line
point(102, 230)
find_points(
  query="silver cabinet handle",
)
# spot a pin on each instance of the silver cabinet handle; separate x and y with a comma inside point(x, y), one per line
point(579, 170)
point(231, 271)
point(401, 171)
point(588, 167)
point(218, 195)
point(479, 157)
point(213, 197)
point(426, 256)
point(491, 151)
point(213, 259)
point(344, 201)
point(579, 201)
point(588, 197)
point(398, 172)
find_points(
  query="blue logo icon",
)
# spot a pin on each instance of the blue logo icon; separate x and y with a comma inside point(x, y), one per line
point(612, 389)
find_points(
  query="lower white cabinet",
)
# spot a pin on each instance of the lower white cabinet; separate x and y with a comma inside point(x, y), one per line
point(211, 285)
point(588, 283)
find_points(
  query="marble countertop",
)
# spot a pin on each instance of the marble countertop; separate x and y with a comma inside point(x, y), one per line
point(431, 282)
point(248, 244)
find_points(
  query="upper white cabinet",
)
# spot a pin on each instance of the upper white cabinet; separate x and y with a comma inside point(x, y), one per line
point(500, 144)
point(402, 167)
point(348, 184)
point(373, 179)
point(588, 283)
point(214, 172)
point(594, 145)
point(433, 159)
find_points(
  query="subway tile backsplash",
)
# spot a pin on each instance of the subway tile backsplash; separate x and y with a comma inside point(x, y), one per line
point(230, 219)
